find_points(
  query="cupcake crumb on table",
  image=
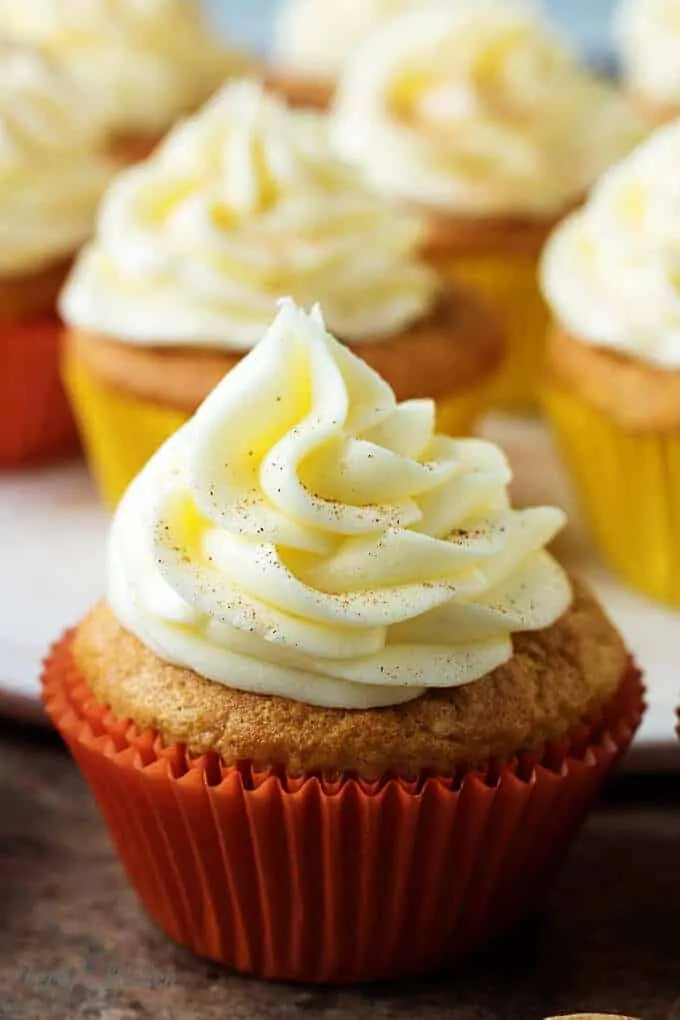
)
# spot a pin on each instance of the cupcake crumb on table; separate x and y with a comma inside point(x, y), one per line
point(341, 709)
point(190, 257)
point(53, 174)
point(609, 275)
point(478, 114)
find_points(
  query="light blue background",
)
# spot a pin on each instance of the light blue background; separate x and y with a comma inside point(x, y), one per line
point(586, 21)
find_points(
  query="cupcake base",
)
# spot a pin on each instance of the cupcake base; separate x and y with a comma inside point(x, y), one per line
point(298, 91)
point(629, 484)
point(331, 878)
point(497, 256)
point(36, 422)
point(132, 147)
point(508, 282)
point(129, 398)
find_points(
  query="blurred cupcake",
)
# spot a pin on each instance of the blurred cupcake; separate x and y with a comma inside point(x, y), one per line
point(240, 205)
point(145, 64)
point(342, 711)
point(611, 274)
point(314, 40)
point(478, 114)
point(648, 36)
point(51, 178)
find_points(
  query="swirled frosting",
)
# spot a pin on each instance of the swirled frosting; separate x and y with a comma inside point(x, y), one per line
point(51, 173)
point(315, 38)
point(306, 535)
point(475, 108)
point(144, 63)
point(611, 271)
point(648, 33)
point(241, 204)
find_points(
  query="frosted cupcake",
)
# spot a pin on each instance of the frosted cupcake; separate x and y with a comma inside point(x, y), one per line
point(314, 40)
point(611, 274)
point(341, 709)
point(648, 35)
point(478, 114)
point(241, 204)
point(51, 178)
point(144, 64)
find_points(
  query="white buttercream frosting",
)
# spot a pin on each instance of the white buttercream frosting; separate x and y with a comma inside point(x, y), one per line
point(305, 535)
point(241, 204)
point(478, 109)
point(145, 62)
point(648, 33)
point(52, 173)
point(611, 271)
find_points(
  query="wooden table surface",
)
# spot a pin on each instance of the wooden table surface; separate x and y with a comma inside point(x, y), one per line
point(74, 944)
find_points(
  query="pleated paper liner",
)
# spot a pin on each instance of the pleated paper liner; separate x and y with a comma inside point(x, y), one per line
point(629, 485)
point(509, 283)
point(330, 878)
point(120, 432)
point(36, 422)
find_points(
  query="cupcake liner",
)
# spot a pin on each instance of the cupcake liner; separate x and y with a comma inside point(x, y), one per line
point(331, 878)
point(629, 485)
point(509, 283)
point(35, 419)
point(121, 432)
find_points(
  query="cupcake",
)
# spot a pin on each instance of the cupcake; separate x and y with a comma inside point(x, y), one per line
point(479, 115)
point(648, 36)
point(241, 204)
point(611, 276)
point(341, 709)
point(52, 175)
point(314, 40)
point(145, 64)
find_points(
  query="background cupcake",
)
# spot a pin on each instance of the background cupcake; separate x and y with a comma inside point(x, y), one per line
point(51, 178)
point(364, 710)
point(240, 205)
point(611, 274)
point(480, 115)
point(648, 34)
point(144, 64)
point(314, 40)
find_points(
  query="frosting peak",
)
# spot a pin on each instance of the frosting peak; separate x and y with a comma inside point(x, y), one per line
point(476, 108)
point(144, 63)
point(611, 271)
point(306, 535)
point(243, 203)
point(51, 172)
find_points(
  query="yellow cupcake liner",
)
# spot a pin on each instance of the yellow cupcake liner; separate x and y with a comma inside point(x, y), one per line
point(121, 432)
point(629, 485)
point(509, 283)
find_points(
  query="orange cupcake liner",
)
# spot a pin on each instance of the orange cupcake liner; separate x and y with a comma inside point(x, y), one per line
point(323, 878)
point(35, 418)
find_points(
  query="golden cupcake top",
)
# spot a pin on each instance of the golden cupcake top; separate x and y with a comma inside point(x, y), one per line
point(611, 271)
point(143, 63)
point(242, 203)
point(648, 33)
point(52, 173)
point(315, 38)
point(308, 536)
point(478, 109)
